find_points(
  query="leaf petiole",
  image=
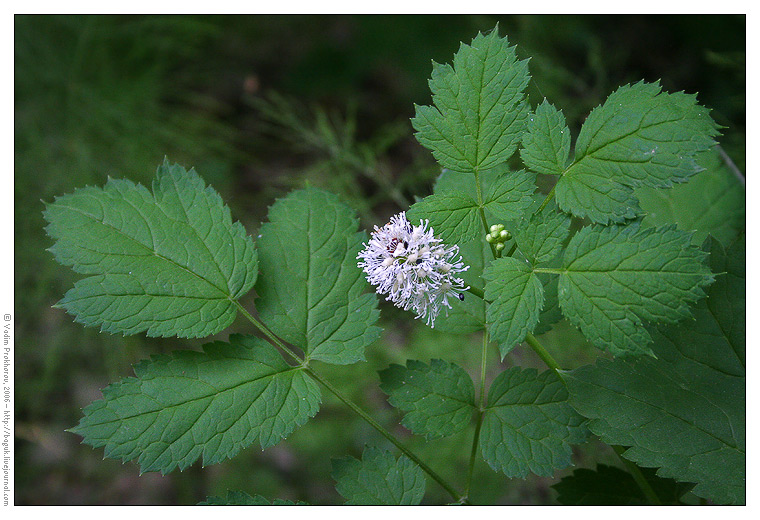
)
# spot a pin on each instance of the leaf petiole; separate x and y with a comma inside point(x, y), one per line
point(353, 406)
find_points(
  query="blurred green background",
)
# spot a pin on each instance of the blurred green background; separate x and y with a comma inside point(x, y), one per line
point(261, 105)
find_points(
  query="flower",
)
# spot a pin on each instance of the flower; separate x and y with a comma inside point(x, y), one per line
point(413, 267)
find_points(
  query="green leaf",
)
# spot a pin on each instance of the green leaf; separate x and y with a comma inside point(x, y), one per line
point(540, 238)
point(516, 295)
point(170, 263)
point(683, 412)
point(546, 143)
point(510, 195)
point(379, 479)
point(640, 136)
point(528, 425)
point(439, 399)
point(310, 291)
point(455, 216)
point(480, 111)
point(712, 202)
point(611, 486)
point(241, 498)
point(615, 277)
point(189, 404)
point(551, 313)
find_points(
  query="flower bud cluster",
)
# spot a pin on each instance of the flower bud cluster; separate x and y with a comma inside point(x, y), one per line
point(497, 236)
point(413, 267)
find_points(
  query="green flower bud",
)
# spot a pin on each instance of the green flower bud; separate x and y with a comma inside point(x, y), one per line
point(494, 228)
point(504, 235)
point(499, 246)
point(490, 239)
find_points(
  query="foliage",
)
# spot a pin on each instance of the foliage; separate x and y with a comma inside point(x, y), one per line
point(172, 262)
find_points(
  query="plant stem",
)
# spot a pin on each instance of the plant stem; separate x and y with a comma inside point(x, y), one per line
point(385, 433)
point(353, 406)
point(638, 476)
point(481, 413)
point(268, 333)
point(539, 349)
point(549, 197)
point(477, 292)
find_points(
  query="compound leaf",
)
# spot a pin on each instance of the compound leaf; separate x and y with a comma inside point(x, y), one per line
point(241, 498)
point(640, 136)
point(683, 412)
point(439, 399)
point(615, 277)
point(517, 296)
point(170, 262)
point(712, 202)
point(528, 424)
point(546, 142)
point(310, 289)
point(480, 110)
point(611, 486)
point(189, 404)
point(379, 479)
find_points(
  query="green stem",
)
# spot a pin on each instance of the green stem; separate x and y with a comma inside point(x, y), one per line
point(477, 292)
point(268, 333)
point(353, 406)
point(481, 211)
point(549, 197)
point(481, 413)
point(539, 349)
point(549, 270)
point(385, 433)
point(638, 476)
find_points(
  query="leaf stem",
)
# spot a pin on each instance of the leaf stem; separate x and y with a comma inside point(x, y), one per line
point(481, 413)
point(638, 476)
point(268, 333)
point(481, 211)
point(548, 198)
point(539, 349)
point(385, 433)
point(353, 406)
point(477, 292)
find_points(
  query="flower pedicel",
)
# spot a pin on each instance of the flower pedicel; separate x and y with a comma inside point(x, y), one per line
point(413, 267)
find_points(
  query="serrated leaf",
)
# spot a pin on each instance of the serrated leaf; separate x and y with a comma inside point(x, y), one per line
point(528, 425)
point(611, 486)
point(310, 291)
point(439, 399)
point(683, 412)
point(189, 404)
point(455, 216)
point(480, 111)
point(517, 296)
point(613, 278)
point(510, 195)
point(712, 202)
point(540, 238)
point(241, 498)
point(546, 142)
point(640, 136)
point(169, 263)
point(379, 479)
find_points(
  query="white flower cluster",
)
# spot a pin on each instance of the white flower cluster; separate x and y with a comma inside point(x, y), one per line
point(415, 269)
